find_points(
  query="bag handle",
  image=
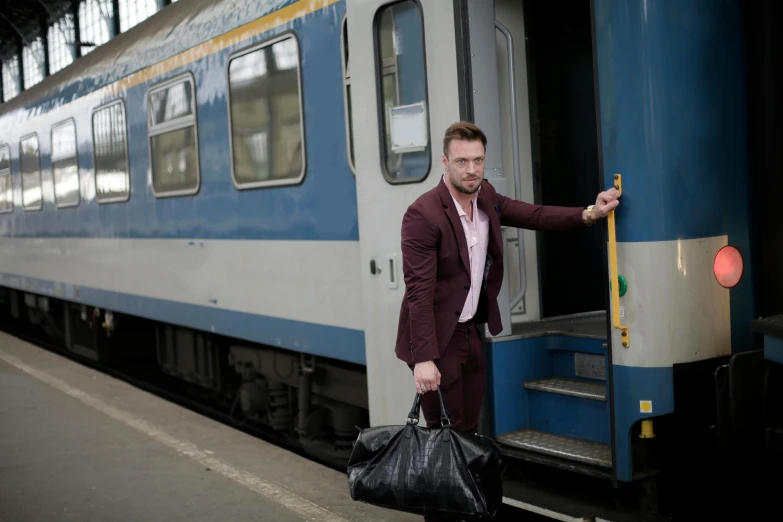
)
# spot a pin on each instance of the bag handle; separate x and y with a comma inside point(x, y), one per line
point(413, 416)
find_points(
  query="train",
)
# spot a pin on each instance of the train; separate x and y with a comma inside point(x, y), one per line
point(222, 187)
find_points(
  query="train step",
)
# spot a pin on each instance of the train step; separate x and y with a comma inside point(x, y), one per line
point(571, 387)
point(591, 453)
point(568, 407)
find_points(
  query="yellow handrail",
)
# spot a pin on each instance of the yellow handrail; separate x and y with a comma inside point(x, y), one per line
point(615, 286)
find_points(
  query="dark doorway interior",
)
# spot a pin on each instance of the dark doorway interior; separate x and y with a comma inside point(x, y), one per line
point(565, 150)
point(764, 48)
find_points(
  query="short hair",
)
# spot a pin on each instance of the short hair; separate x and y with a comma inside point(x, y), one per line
point(463, 130)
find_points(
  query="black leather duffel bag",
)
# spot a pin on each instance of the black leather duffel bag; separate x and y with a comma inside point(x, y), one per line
point(427, 471)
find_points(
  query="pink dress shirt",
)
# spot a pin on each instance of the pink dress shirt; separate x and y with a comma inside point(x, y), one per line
point(477, 238)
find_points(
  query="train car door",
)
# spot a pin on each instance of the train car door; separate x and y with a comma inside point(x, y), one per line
point(408, 64)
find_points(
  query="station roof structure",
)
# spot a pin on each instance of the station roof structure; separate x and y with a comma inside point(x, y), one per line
point(40, 37)
point(21, 21)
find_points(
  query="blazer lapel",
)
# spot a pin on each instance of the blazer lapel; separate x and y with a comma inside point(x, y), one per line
point(456, 223)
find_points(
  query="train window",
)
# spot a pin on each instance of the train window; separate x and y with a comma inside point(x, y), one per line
point(110, 143)
point(399, 34)
point(6, 189)
point(171, 115)
point(267, 141)
point(65, 166)
point(31, 173)
point(347, 93)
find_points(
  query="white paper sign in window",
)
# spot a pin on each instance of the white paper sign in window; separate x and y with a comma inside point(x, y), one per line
point(409, 127)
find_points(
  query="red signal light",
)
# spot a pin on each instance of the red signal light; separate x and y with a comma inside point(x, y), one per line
point(728, 266)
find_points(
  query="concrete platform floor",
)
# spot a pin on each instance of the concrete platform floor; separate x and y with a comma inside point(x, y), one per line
point(78, 445)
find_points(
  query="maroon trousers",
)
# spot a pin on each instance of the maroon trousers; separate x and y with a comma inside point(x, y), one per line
point(462, 383)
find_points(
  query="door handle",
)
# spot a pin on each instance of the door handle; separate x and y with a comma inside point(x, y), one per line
point(615, 288)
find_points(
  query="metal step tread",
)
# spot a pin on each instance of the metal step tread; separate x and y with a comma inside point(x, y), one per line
point(558, 446)
point(572, 387)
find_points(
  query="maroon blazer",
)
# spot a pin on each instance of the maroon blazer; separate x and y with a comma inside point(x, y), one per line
point(436, 266)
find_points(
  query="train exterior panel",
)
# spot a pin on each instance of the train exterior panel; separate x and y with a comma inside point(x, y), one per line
point(673, 124)
point(220, 258)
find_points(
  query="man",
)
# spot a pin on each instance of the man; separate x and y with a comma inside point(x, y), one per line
point(452, 253)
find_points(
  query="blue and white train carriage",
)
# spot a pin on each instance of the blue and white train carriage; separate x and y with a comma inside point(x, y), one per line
point(236, 172)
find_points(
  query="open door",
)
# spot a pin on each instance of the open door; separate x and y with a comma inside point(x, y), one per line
point(407, 81)
point(396, 59)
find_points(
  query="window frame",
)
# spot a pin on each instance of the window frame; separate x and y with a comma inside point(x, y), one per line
point(385, 67)
point(115, 199)
point(76, 155)
point(4, 145)
point(180, 123)
point(40, 174)
point(248, 50)
point(349, 141)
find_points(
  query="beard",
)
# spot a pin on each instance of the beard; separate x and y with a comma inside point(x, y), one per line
point(465, 190)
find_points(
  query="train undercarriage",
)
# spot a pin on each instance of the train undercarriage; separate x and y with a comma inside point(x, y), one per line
point(313, 404)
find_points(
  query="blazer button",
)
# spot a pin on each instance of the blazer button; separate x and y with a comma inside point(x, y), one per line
point(456, 313)
point(467, 288)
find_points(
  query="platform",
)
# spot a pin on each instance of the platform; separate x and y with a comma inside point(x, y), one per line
point(76, 444)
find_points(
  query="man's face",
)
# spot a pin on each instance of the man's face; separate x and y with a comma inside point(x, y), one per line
point(465, 165)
